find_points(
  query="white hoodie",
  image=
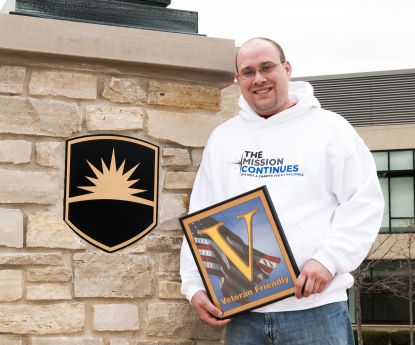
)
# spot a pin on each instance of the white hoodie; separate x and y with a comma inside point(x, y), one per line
point(321, 178)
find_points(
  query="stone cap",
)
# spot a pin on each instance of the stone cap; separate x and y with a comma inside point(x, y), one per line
point(208, 59)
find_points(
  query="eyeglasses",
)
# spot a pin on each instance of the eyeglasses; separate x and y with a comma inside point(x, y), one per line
point(264, 69)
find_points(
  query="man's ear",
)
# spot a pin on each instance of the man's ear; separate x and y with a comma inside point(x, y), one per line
point(288, 69)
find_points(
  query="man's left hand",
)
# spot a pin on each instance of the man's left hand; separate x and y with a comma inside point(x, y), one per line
point(313, 278)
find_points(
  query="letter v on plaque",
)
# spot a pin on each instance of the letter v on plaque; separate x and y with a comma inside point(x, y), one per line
point(247, 269)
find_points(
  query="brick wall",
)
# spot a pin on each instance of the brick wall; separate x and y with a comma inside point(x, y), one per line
point(55, 288)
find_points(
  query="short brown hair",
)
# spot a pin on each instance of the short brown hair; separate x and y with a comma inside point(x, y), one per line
point(275, 44)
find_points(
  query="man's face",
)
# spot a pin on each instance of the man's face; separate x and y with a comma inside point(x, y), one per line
point(266, 93)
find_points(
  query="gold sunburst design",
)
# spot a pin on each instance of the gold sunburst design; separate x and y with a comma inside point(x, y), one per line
point(112, 184)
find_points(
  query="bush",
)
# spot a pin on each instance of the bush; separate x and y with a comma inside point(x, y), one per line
point(376, 338)
point(400, 338)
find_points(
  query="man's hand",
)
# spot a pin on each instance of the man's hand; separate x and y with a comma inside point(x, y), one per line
point(206, 310)
point(313, 278)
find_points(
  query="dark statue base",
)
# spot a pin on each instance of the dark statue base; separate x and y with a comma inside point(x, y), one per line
point(159, 3)
point(129, 13)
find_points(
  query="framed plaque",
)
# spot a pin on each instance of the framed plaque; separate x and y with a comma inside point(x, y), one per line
point(241, 252)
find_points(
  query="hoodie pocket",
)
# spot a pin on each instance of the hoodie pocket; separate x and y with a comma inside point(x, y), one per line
point(303, 243)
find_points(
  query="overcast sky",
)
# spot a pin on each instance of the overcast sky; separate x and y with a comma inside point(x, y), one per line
point(319, 36)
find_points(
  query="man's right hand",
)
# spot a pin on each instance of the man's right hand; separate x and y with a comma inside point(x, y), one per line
point(206, 310)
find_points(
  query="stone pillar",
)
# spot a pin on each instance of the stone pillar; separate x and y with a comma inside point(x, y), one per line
point(59, 80)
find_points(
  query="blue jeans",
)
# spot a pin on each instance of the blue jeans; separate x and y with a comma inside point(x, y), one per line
point(325, 325)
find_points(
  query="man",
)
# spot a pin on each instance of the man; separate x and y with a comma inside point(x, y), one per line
point(330, 208)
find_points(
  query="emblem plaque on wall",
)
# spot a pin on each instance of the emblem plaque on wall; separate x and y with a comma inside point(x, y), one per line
point(111, 185)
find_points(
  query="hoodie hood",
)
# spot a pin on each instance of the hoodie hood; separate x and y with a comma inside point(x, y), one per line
point(299, 92)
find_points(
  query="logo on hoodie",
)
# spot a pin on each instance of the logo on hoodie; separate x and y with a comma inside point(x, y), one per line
point(256, 164)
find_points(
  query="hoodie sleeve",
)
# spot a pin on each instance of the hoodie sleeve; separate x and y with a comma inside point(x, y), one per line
point(202, 196)
point(358, 217)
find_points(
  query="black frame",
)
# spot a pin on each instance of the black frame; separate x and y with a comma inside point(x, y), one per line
point(281, 240)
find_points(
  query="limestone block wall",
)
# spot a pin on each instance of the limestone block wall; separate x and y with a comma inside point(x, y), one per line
point(55, 288)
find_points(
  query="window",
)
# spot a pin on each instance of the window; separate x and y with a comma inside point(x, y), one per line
point(396, 172)
point(382, 306)
point(396, 176)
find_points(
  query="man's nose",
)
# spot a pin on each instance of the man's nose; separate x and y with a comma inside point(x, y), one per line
point(259, 77)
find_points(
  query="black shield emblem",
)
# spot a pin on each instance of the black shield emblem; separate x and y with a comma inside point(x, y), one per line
point(111, 189)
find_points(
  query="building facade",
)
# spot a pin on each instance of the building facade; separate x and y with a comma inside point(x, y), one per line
point(381, 106)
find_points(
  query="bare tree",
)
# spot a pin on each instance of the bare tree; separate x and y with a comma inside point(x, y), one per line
point(402, 284)
point(383, 250)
